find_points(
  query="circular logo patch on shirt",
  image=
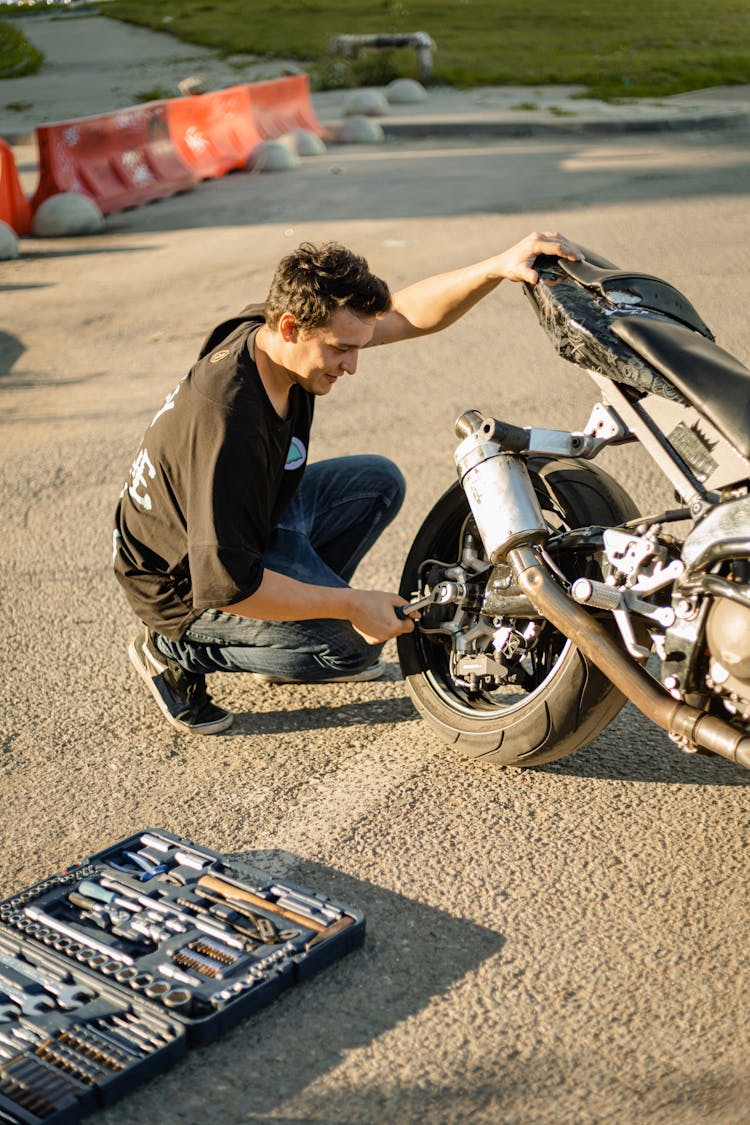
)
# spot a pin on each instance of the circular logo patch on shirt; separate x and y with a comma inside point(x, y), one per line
point(218, 356)
point(295, 458)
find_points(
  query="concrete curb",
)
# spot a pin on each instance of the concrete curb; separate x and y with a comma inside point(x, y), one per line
point(426, 124)
point(422, 128)
point(452, 126)
point(456, 126)
point(462, 126)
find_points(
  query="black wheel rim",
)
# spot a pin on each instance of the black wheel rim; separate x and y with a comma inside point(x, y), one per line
point(535, 671)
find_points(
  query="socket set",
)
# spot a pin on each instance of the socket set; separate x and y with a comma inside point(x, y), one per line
point(113, 968)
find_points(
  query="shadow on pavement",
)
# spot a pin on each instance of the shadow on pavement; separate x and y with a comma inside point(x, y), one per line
point(442, 180)
point(633, 749)
point(277, 1053)
point(367, 713)
point(83, 251)
point(31, 285)
point(11, 350)
point(38, 380)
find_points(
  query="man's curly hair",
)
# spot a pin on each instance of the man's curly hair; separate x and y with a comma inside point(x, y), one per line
point(313, 281)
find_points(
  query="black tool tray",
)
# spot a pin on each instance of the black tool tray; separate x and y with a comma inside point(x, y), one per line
point(112, 968)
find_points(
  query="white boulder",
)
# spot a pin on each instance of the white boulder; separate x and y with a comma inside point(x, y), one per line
point(405, 91)
point(8, 242)
point(366, 102)
point(272, 156)
point(359, 131)
point(307, 143)
point(68, 213)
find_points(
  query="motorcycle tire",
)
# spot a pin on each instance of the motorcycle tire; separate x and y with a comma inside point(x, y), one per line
point(575, 701)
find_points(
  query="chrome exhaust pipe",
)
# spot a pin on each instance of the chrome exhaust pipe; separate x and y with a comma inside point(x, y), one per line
point(679, 719)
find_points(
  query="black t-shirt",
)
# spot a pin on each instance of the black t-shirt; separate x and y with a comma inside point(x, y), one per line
point(216, 469)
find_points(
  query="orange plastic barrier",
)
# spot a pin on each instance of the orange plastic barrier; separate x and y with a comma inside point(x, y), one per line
point(213, 133)
point(283, 104)
point(15, 209)
point(120, 159)
point(151, 151)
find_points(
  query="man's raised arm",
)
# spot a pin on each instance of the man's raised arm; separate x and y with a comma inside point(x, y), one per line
point(434, 303)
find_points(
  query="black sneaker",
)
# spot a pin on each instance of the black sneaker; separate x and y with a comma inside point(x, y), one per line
point(181, 696)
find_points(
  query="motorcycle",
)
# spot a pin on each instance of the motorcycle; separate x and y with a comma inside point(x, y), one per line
point(542, 592)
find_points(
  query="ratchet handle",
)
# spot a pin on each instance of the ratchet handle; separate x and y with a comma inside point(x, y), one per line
point(404, 611)
point(442, 594)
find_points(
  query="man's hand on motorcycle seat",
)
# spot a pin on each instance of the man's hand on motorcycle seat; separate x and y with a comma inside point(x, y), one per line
point(517, 263)
point(372, 613)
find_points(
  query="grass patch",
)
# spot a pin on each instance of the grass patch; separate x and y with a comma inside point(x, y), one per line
point(641, 49)
point(370, 68)
point(17, 56)
point(155, 94)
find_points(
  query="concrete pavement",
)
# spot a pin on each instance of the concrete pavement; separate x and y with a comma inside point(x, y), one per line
point(544, 947)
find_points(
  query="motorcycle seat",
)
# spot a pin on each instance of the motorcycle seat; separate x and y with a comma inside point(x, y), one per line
point(638, 289)
point(711, 379)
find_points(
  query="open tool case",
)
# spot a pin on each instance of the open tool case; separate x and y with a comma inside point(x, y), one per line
point(112, 968)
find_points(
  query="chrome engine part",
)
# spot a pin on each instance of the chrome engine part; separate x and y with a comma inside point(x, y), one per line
point(638, 568)
point(728, 639)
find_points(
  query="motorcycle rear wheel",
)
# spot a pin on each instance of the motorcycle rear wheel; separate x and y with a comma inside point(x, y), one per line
point(573, 701)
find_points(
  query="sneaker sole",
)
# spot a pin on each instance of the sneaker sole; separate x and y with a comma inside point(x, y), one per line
point(374, 672)
point(206, 728)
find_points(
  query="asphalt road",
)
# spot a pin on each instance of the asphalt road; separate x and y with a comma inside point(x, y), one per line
point(560, 945)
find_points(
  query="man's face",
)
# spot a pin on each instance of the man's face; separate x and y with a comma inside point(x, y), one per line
point(320, 356)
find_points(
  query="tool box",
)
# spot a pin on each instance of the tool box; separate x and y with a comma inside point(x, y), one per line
point(111, 969)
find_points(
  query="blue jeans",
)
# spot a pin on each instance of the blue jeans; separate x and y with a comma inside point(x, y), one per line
point(338, 512)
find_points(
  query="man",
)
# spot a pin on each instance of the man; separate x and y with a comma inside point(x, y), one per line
point(234, 553)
